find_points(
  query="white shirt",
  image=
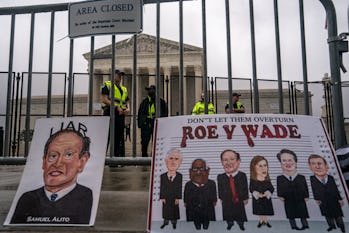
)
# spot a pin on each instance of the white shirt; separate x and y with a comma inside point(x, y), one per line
point(60, 193)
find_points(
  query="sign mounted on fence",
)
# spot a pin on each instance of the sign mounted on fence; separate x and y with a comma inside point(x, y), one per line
point(105, 17)
point(268, 172)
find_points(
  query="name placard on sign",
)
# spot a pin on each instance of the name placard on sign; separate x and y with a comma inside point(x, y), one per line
point(105, 17)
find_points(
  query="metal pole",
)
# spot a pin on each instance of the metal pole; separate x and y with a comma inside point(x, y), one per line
point(134, 94)
point(304, 59)
point(254, 62)
point(9, 79)
point(91, 70)
point(289, 97)
point(181, 59)
point(278, 57)
point(29, 90)
point(204, 45)
point(337, 97)
point(50, 62)
point(64, 94)
point(20, 111)
point(18, 78)
point(70, 80)
point(230, 81)
point(216, 95)
point(12, 110)
point(157, 101)
point(112, 102)
point(212, 84)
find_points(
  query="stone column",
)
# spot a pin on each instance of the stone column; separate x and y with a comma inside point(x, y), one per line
point(198, 81)
point(152, 78)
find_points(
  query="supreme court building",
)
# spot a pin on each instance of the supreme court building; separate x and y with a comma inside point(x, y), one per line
point(146, 69)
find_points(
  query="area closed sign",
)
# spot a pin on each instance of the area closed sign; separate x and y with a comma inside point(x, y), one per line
point(105, 17)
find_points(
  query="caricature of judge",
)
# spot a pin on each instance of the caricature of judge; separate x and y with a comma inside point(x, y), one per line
point(200, 195)
point(233, 189)
point(171, 188)
point(292, 189)
point(61, 200)
point(326, 193)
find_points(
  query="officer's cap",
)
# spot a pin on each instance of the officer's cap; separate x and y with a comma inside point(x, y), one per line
point(236, 94)
point(151, 87)
point(118, 72)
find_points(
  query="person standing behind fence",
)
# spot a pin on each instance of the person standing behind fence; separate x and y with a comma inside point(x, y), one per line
point(199, 107)
point(121, 102)
point(146, 117)
point(238, 107)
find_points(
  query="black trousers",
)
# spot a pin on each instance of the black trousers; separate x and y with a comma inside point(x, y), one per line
point(146, 135)
point(119, 129)
point(338, 220)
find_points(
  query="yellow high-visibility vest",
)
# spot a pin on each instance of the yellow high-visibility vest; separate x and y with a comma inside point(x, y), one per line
point(199, 108)
point(119, 100)
point(151, 109)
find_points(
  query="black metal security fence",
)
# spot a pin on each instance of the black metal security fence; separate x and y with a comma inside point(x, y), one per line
point(320, 97)
point(15, 86)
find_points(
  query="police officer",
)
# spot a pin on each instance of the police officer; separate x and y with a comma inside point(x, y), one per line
point(121, 102)
point(146, 117)
point(237, 105)
point(199, 107)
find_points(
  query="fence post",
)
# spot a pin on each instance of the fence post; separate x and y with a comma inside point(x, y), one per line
point(1, 140)
point(337, 98)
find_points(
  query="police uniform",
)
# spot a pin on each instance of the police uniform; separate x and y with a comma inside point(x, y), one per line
point(199, 108)
point(236, 106)
point(120, 99)
point(146, 117)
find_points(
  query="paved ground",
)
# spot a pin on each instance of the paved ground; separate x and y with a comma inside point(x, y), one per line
point(122, 207)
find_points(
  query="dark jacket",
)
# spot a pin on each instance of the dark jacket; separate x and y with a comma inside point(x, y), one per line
point(143, 111)
point(170, 191)
point(200, 201)
point(74, 208)
point(233, 211)
point(294, 192)
point(329, 196)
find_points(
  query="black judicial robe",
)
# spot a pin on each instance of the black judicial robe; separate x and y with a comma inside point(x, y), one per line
point(33, 207)
point(200, 201)
point(170, 190)
point(262, 206)
point(233, 211)
point(294, 192)
point(329, 196)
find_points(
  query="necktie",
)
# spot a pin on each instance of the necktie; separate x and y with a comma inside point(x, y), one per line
point(235, 197)
point(323, 181)
point(171, 177)
point(53, 197)
point(290, 178)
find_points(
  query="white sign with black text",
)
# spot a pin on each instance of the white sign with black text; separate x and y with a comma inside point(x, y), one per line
point(105, 17)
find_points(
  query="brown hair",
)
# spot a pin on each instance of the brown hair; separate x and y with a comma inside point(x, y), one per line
point(315, 156)
point(255, 160)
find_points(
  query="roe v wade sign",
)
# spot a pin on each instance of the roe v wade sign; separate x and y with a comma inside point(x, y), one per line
point(105, 17)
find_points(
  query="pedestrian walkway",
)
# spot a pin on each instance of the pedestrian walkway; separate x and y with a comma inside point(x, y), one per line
point(122, 207)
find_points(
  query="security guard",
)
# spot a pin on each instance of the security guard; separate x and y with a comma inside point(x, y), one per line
point(237, 105)
point(199, 107)
point(146, 117)
point(121, 102)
